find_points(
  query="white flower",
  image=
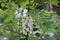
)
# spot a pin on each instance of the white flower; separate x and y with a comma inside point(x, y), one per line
point(21, 9)
point(24, 12)
point(18, 15)
point(51, 34)
point(1, 24)
point(3, 38)
point(27, 29)
point(16, 11)
point(18, 23)
point(8, 31)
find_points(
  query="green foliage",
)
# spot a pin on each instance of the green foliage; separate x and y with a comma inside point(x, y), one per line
point(43, 19)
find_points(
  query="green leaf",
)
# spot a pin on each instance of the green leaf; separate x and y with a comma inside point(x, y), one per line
point(47, 37)
point(2, 5)
point(3, 0)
